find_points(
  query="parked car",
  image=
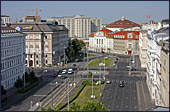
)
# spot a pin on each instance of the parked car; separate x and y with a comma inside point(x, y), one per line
point(108, 82)
point(121, 84)
point(76, 60)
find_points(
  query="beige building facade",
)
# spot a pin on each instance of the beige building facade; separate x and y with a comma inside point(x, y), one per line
point(44, 43)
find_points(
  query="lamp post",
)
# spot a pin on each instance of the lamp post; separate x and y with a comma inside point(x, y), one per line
point(87, 64)
point(104, 65)
point(64, 54)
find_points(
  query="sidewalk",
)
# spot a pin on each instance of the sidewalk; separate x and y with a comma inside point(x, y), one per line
point(12, 98)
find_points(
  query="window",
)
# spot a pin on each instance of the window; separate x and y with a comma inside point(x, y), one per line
point(36, 56)
point(129, 45)
point(129, 35)
point(36, 62)
point(30, 37)
point(45, 37)
point(46, 61)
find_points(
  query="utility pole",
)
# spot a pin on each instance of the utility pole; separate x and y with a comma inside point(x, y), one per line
point(87, 64)
point(68, 97)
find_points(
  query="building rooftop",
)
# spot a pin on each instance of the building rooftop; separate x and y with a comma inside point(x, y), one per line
point(122, 23)
point(39, 27)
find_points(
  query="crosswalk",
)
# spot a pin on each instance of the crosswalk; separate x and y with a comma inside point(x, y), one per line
point(125, 81)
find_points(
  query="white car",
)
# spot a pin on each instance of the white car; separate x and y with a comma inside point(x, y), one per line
point(108, 82)
point(70, 71)
point(59, 75)
point(64, 71)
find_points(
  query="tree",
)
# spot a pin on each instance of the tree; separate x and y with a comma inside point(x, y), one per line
point(88, 106)
point(92, 106)
point(3, 91)
point(19, 83)
point(74, 107)
point(27, 77)
point(32, 76)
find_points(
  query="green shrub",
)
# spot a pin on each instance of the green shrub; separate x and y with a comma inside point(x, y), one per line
point(76, 94)
point(27, 88)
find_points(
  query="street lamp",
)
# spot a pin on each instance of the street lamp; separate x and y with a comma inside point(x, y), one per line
point(104, 66)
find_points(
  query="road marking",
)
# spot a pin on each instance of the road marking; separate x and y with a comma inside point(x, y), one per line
point(117, 106)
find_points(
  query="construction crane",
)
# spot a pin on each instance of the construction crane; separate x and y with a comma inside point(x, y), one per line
point(36, 17)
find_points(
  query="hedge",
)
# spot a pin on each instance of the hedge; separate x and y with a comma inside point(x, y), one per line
point(3, 99)
point(27, 88)
point(76, 94)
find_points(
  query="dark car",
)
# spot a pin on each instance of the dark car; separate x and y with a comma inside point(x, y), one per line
point(59, 71)
point(133, 69)
point(63, 77)
point(115, 61)
point(74, 68)
point(55, 75)
point(74, 65)
point(121, 84)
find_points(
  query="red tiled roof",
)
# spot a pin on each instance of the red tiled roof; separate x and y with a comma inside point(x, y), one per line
point(106, 31)
point(124, 35)
point(122, 24)
point(91, 35)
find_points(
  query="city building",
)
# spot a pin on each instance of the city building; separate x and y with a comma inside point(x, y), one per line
point(45, 42)
point(121, 37)
point(122, 25)
point(154, 63)
point(145, 29)
point(164, 73)
point(5, 19)
point(79, 26)
point(121, 42)
point(12, 56)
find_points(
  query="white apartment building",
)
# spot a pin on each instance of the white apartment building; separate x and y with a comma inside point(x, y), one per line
point(45, 42)
point(164, 73)
point(79, 26)
point(153, 62)
point(145, 28)
point(12, 56)
point(5, 19)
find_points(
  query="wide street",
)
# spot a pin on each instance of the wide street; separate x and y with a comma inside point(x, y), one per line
point(134, 96)
point(129, 97)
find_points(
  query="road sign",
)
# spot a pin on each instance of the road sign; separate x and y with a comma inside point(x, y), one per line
point(74, 85)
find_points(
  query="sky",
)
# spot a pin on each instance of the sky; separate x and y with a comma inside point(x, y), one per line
point(108, 11)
